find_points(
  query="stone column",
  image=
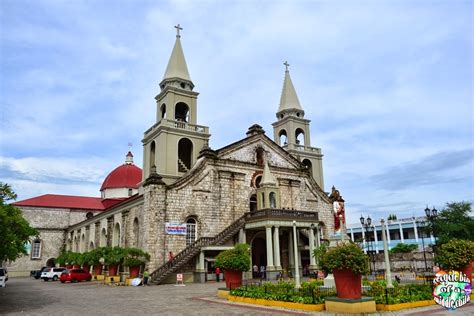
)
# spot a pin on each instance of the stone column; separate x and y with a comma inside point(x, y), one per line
point(110, 230)
point(352, 235)
point(291, 254)
point(124, 236)
point(270, 266)
point(388, 237)
point(276, 248)
point(242, 236)
point(97, 234)
point(200, 272)
point(295, 245)
point(312, 261)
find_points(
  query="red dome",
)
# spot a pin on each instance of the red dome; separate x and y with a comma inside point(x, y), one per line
point(124, 176)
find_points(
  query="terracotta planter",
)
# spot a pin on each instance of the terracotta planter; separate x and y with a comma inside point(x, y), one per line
point(86, 267)
point(133, 271)
point(233, 279)
point(113, 269)
point(69, 266)
point(76, 266)
point(348, 284)
point(98, 269)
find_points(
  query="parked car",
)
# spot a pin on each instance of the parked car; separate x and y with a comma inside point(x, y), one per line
point(52, 273)
point(75, 275)
point(3, 277)
point(37, 274)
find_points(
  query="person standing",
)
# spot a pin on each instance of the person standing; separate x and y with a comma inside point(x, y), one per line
point(146, 276)
point(218, 274)
point(262, 272)
point(170, 256)
point(255, 271)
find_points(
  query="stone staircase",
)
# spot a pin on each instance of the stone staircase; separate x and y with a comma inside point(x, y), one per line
point(182, 166)
point(192, 250)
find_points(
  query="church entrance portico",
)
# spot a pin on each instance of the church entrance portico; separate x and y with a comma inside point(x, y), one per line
point(275, 239)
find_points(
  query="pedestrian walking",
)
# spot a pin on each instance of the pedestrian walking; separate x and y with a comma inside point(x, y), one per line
point(170, 256)
point(218, 274)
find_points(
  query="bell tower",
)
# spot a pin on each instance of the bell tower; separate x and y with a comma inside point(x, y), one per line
point(291, 130)
point(173, 143)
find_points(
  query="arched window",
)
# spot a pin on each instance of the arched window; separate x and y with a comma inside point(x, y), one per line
point(191, 231)
point(299, 136)
point(36, 249)
point(163, 111)
point(152, 154)
point(91, 246)
point(89, 215)
point(253, 203)
point(308, 165)
point(263, 200)
point(259, 154)
point(181, 112)
point(103, 238)
point(185, 154)
point(130, 192)
point(116, 236)
point(135, 232)
point(283, 138)
point(272, 200)
point(83, 243)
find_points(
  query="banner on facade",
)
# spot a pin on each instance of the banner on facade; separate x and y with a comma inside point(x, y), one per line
point(175, 229)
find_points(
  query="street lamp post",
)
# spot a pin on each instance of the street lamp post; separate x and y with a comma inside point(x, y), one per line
point(431, 216)
point(422, 225)
point(367, 225)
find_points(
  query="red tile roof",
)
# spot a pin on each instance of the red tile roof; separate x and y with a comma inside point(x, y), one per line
point(69, 201)
point(124, 176)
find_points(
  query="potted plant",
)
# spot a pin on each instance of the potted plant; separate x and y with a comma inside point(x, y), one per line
point(62, 258)
point(83, 260)
point(347, 262)
point(72, 260)
point(94, 259)
point(234, 261)
point(456, 254)
point(113, 257)
point(134, 259)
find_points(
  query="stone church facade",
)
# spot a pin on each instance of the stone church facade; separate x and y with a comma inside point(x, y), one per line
point(265, 192)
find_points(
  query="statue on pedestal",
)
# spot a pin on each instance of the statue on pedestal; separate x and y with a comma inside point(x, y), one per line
point(339, 211)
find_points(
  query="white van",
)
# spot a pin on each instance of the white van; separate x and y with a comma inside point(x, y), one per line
point(3, 277)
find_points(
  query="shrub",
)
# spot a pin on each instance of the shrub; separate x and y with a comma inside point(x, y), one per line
point(135, 257)
point(455, 254)
point(237, 258)
point(346, 255)
point(403, 248)
point(113, 255)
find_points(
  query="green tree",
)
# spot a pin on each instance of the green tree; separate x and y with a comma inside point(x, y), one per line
point(454, 222)
point(403, 248)
point(15, 231)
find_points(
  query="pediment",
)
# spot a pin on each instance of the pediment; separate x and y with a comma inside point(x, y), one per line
point(246, 151)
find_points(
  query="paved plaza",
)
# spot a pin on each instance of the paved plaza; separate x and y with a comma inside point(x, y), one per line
point(27, 296)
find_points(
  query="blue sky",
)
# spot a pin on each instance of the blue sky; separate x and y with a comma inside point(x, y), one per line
point(387, 85)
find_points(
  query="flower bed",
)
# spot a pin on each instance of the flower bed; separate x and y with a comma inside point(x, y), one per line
point(399, 293)
point(309, 293)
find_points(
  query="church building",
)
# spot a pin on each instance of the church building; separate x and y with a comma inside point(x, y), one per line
point(194, 201)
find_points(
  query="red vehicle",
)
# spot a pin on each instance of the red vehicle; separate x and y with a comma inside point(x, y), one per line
point(74, 275)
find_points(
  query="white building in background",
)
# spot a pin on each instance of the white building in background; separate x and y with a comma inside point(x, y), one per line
point(404, 230)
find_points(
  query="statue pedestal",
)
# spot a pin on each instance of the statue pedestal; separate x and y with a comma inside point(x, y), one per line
point(329, 281)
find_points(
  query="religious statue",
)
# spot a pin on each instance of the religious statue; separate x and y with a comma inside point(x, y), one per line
point(339, 211)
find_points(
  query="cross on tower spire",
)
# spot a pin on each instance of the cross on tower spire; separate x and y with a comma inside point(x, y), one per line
point(178, 28)
point(286, 65)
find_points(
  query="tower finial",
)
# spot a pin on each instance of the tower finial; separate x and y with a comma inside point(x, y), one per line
point(178, 28)
point(286, 65)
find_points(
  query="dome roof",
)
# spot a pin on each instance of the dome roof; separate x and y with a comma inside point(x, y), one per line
point(125, 176)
